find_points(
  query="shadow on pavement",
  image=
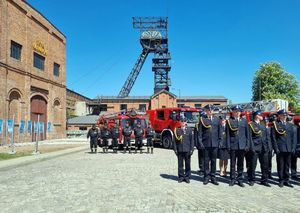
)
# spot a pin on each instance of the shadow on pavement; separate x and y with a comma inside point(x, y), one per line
point(89, 153)
point(170, 177)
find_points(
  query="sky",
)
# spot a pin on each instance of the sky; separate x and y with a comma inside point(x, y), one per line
point(216, 45)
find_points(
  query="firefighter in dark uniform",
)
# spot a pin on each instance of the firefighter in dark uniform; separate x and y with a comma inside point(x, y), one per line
point(150, 136)
point(199, 146)
point(237, 133)
point(183, 146)
point(294, 155)
point(284, 144)
point(209, 133)
point(115, 135)
point(271, 119)
point(223, 154)
point(93, 135)
point(297, 152)
point(105, 134)
point(127, 137)
point(138, 133)
point(260, 146)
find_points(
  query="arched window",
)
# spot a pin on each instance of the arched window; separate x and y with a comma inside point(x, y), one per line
point(14, 105)
point(57, 111)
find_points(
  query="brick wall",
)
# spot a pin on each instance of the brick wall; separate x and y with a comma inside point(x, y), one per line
point(23, 24)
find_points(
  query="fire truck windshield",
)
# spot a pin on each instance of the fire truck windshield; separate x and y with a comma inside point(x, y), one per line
point(133, 122)
point(190, 116)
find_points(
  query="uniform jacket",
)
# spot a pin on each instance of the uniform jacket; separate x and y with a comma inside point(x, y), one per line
point(150, 132)
point(115, 132)
point(223, 142)
point(209, 132)
point(259, 137)
point(298, 140)
point(283, 137)
point(237, 133)
point(93, 134)
point(196, 138)
point(127, 131)
point(138, 132)
point(105, 133)
point(183, 140)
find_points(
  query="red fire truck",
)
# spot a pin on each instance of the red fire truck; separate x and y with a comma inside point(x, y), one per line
point(269, 109)
point(133, 117)
point(164, 120)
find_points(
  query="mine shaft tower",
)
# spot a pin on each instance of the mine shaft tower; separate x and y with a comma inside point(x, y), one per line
point(154, 39)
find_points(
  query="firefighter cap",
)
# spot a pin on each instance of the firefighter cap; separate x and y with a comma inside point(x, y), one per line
point(209, 107)
point(258, 112)
point(237, 107)
point(222, 117)
point(282, 112)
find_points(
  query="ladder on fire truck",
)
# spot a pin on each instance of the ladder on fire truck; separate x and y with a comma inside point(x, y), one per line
point(271, 105)
point(130, 112)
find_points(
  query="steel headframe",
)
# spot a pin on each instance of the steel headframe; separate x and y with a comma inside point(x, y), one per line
point(154, 39)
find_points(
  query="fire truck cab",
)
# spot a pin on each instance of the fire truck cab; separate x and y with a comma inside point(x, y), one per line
point(164, 121)
point(121, 118)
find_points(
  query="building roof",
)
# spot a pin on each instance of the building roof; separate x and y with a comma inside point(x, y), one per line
point(181, 98)
point(164, 91)
point(26, 2)
point(126, 98)
point(76, 93)
point(202, 98)
point(85, 120)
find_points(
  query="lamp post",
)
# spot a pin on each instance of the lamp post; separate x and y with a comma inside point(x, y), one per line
point(36, 151)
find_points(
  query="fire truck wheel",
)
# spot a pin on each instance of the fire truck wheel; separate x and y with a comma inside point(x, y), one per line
point(167, 142)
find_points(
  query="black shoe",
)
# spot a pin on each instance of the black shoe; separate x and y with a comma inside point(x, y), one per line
point(280, 184)
point(295, 177)
point(288, 184)
point(187, 180)
point(271, 177)
point(231, 183)
point(251, 183)
point(205, 182)
point(95, 151)
point(265, 184)
point(215, 182)
point(180, 180)
point(241, 184)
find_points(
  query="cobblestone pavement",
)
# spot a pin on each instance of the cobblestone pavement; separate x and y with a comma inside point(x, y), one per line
point(84, 182)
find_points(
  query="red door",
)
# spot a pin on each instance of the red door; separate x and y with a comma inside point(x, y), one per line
point(38, 107)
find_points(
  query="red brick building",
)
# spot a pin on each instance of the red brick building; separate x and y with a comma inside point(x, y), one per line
point(32, 68)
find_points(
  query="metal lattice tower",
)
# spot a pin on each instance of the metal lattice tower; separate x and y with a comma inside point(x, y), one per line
point(154, 39)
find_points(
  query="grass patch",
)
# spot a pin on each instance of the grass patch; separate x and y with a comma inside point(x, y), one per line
point(6, 156)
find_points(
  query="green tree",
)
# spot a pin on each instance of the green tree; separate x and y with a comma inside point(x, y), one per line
point(271, 81)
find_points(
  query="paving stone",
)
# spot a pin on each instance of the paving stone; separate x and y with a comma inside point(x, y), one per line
point(83, 182)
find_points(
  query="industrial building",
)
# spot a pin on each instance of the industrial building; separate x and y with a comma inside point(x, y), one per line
point(32, 70)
